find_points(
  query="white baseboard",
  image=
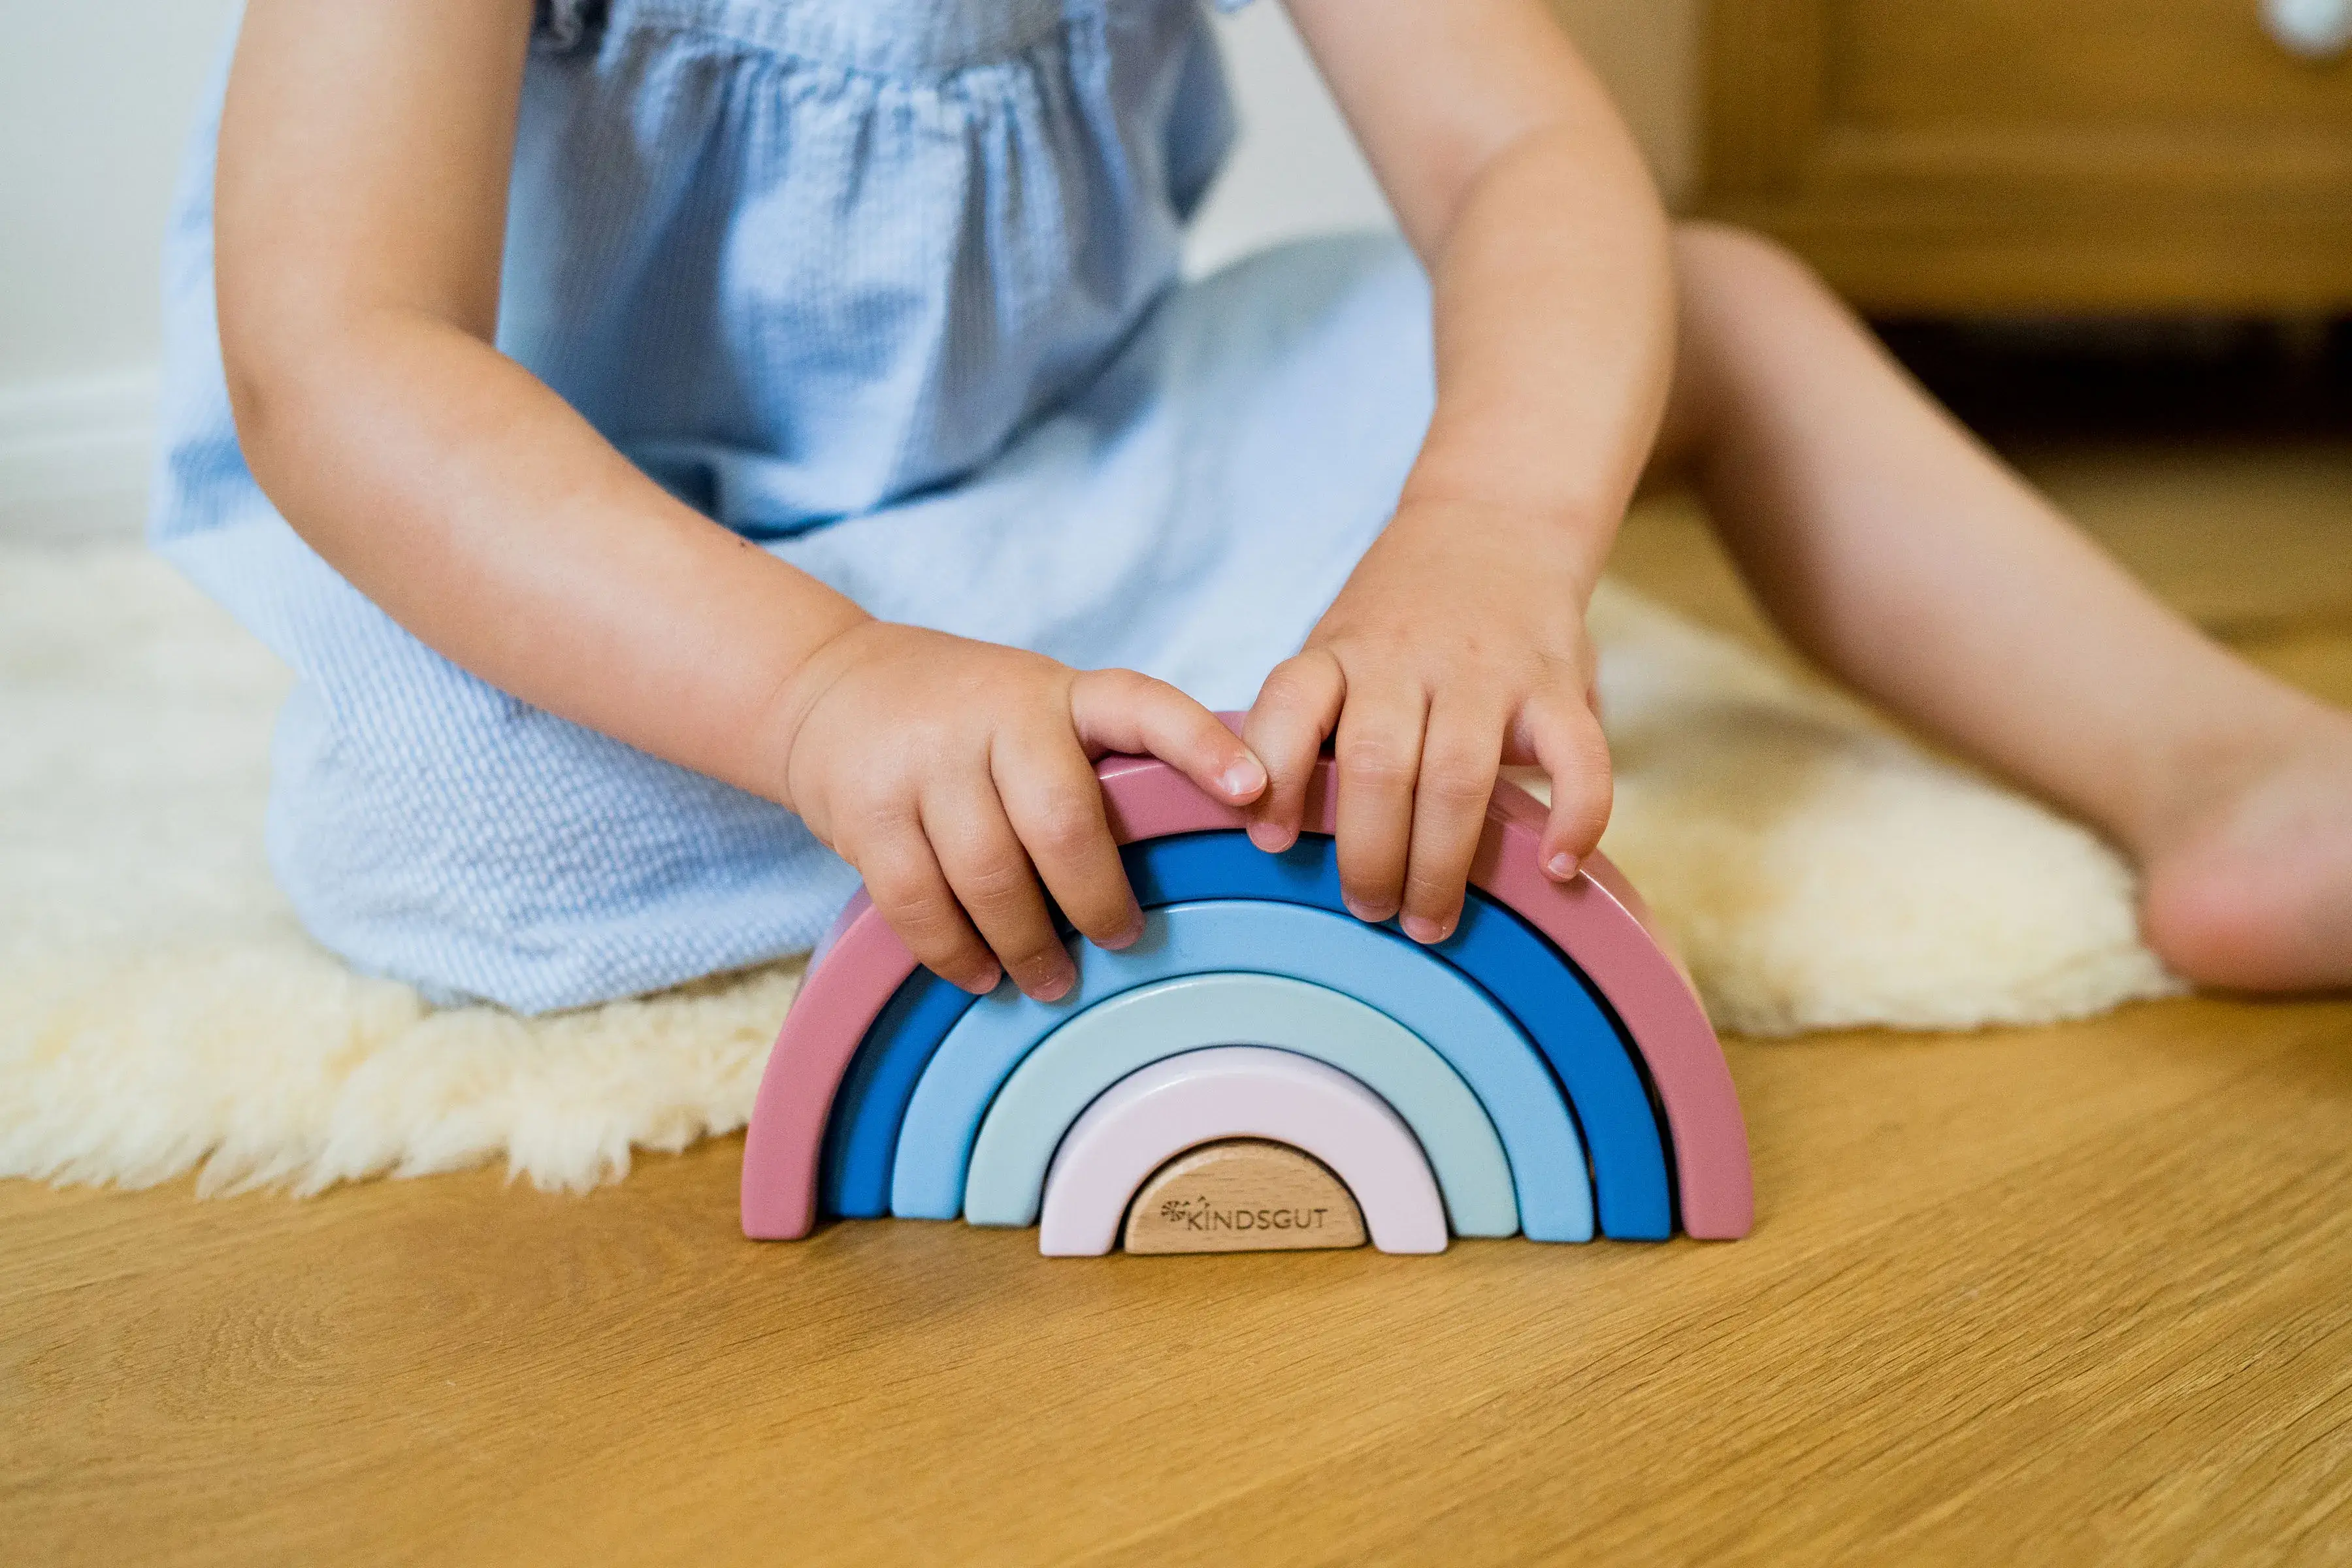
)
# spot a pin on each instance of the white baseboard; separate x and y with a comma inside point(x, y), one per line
point(76, 455)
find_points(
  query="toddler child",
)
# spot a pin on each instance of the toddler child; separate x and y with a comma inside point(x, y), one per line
point(689, 449)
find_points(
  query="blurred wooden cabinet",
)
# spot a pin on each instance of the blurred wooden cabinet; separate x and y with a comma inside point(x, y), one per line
point(1935, 155)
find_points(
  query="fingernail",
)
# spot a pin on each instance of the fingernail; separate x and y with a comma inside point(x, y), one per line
point(1056, 988)
point(1272, 837)
point(1425, 931)
point(1364, 911)
point(1244, 778)
point(1130, 937)
point(988, 981)
point(1562, 866)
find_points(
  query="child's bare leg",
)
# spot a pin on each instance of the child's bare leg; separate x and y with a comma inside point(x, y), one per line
point(1905, 558)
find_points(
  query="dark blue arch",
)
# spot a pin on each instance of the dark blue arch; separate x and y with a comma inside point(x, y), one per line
point(1533, 981)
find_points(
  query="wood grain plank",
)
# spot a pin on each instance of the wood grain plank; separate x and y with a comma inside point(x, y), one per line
point(1991, 155)
point(2017, 1385)
point(471, 1368)
point(2187, 65)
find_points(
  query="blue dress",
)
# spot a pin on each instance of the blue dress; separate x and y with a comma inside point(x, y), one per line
point(891, 288)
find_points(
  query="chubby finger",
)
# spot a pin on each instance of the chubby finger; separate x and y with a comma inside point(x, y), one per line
point(1296, 709)
point(1377, 759)
point(1459, 757)
point(904, 880)
point(1564, 737)
point(1121, 710)
point(1054, 803)
point(991, 874)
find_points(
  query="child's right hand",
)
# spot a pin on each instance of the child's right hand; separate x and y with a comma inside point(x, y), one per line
point(954, 773)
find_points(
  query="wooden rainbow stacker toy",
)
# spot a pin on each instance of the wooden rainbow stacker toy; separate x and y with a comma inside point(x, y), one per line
point(1262, 1069)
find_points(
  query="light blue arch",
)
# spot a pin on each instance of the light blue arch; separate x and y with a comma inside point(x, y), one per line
point(1376, 966)
point(1069, 1068)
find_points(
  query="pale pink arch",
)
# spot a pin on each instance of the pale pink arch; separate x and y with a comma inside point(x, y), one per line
point(1596, 918)
point(1156, 1112)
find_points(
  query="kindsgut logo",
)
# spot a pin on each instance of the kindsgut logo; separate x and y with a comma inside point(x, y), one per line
point(1200, 1214)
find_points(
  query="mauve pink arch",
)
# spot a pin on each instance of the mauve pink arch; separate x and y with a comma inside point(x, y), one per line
point(1596, 918)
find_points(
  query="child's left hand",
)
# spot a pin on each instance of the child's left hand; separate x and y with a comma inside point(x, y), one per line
point(1458, 646)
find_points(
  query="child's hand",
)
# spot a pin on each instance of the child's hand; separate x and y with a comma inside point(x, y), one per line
point(1457, 646)
point(953, 774)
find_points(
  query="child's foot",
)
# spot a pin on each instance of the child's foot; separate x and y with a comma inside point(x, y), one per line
point(2256, 893)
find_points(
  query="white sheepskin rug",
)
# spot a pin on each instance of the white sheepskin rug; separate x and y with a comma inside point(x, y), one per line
point(161, 1012)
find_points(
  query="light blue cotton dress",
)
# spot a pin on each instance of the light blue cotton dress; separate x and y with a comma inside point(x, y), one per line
point(891, 286)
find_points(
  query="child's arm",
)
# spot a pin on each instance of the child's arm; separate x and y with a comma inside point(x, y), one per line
point(360, 217)
point(1459, 642)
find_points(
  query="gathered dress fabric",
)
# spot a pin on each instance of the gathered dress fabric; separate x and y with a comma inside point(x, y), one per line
point(890, 288)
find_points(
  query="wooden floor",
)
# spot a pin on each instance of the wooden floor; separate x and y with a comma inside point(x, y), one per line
point(2042, 1296)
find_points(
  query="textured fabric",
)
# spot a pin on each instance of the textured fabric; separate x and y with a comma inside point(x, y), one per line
point(891, 286)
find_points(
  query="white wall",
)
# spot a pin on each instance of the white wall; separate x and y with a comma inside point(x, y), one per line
point(95, 100)
point(1296, 170)
point(94, 103)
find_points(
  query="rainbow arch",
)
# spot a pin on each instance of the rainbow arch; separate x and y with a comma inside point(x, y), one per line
point(1549, 1063)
